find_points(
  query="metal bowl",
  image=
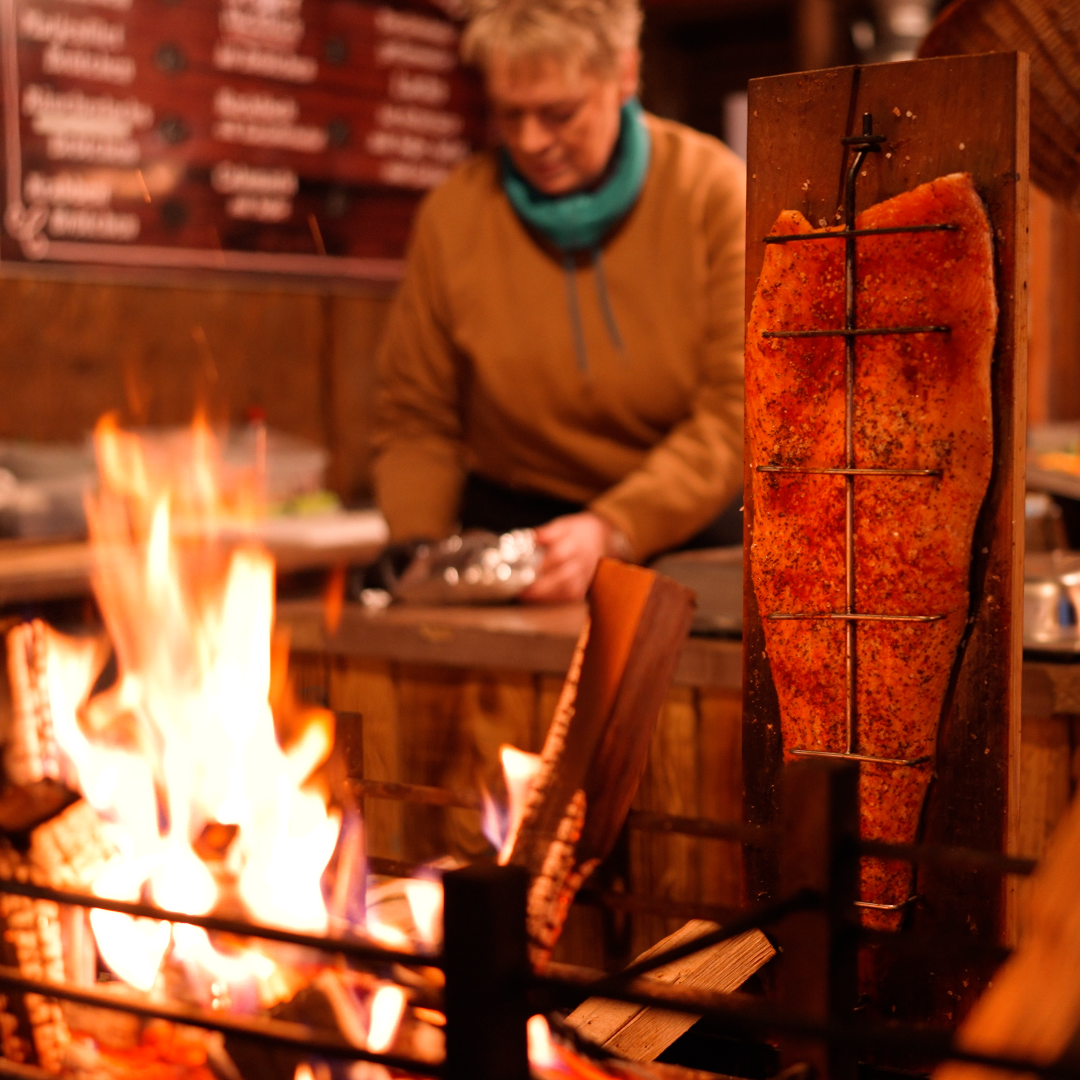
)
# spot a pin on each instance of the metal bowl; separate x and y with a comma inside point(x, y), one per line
point(1052, 600)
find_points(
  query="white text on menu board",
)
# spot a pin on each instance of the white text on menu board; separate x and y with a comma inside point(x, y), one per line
point(415, 139)
point(82, 128)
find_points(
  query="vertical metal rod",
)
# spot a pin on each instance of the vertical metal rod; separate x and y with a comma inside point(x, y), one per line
point(850, 323)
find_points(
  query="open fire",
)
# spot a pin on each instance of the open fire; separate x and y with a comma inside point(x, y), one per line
point(186, 776)
point(208, 781)
point(182, 751)
point(206, 809)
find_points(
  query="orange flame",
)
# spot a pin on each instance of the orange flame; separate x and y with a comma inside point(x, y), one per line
point(186, 738)
point(501, 827)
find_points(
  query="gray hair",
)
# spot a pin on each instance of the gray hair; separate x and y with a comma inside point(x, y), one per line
point(593, 32)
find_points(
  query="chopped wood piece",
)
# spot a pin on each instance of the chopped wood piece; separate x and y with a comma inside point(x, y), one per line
point(24, 807)
point(66, 852)
point(34, 1027)
point(598, 743)
point(51, 675)
point(640, 1032)
point(70, 850)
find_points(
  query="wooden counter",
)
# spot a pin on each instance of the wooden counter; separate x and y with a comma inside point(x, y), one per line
point(32, 570)
point(539, 639)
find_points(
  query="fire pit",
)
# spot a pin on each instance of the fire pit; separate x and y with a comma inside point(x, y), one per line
point(178, 839)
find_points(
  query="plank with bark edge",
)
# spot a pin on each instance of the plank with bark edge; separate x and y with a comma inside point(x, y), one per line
point(596, 747)
point(958, 114)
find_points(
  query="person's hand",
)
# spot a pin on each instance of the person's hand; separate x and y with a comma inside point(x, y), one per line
point(575, 544)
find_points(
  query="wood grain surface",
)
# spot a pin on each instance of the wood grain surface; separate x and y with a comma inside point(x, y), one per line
point(642, 1033)
point(305, 361)
point(1033, 1008)
point(1046, 31)
point(957, 114)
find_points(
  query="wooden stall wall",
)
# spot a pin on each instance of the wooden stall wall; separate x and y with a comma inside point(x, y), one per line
point(442, 726)
point(1054, 345)
point(72, 351)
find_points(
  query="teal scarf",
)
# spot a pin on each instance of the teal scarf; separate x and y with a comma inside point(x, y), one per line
point(580, 220)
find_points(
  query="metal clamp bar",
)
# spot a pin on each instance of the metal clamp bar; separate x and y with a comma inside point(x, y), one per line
point(845, 233)
point(867, 140)
point(855, 616)
point(813, 471)
point(282, 1032)
point(854, 332)
point(718, 830)
point(847, 756)
point(358, 950)
point(954, 858)
point(887, 907)
point(414, 793)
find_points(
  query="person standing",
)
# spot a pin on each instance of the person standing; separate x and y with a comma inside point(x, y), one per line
point(565, 350)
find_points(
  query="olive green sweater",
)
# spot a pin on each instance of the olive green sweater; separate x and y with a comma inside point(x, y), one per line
point(478, 370)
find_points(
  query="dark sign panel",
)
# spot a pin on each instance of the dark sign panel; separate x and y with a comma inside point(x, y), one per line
point(262, 135)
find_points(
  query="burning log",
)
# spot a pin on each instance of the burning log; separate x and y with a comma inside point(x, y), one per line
point(598, 743)
point(48, 838)
point(51, 676)
point(66, 852)
point(641, 1033)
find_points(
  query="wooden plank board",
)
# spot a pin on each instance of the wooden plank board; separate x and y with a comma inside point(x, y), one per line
point(957, 114)
point(364, 692)
point(719, 753)
point(642, 1033)
point(1032, 1011)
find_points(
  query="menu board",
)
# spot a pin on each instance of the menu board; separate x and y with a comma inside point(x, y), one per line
point(290, 136)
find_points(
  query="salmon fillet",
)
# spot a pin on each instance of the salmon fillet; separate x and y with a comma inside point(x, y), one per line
point(922, 401)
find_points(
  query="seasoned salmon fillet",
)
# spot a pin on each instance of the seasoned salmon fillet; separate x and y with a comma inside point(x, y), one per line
point(922, 402)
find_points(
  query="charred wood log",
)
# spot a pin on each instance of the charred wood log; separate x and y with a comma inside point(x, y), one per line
point(598, 743)
point(66, 852)
point(50, 676)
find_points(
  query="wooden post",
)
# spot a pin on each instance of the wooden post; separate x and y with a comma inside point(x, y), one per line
point(819, 31)
point(487, 971)
point(817, 971)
